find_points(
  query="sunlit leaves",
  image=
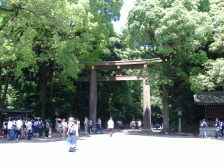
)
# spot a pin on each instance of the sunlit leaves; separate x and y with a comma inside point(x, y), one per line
point(212, 78)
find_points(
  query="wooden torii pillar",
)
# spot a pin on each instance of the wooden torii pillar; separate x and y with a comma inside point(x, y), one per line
point(146, 105)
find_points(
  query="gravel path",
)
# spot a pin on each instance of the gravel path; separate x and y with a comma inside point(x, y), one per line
point(123, 148)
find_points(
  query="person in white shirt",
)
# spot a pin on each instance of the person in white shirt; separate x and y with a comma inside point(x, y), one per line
point(10, 129)
point(19, 125)
point(110, 126)
point(29, 128)
point(139, 124)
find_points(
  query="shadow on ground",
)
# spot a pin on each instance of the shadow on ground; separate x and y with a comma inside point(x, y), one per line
point(159, 133)
point(55, 138)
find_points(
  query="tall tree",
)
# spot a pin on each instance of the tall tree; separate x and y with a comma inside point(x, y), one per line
point(53, 36)
point(173, 30)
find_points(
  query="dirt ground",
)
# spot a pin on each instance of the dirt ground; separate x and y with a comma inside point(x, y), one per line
point(126, 148)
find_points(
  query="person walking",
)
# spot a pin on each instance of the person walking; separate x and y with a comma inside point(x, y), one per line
point(203, 127)
point(110, 126)
point(72, 134)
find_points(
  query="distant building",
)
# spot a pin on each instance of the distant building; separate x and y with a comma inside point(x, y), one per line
point(213, 103)
point(16, 113)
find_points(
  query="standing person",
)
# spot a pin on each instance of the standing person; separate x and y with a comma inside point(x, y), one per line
point(4, 127)
point(14, 129)
point(221, 128)
point(72, 134)
point(204, 126)
point(132, 124)
point(78, 123)
point(64, 128)
point(86, 125)
point(110, 126)
point(90, 127)
point(35, 127)
point(19, 125)
point(10, 129)
point(47, 128)
point(99, 126)
point(139, 124)
point(40, 128)
point(29, 129)
point(217, 125)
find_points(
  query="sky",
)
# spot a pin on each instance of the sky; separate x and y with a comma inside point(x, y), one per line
point(127, 6)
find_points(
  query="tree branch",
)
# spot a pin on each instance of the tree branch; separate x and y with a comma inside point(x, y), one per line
point(7, 9)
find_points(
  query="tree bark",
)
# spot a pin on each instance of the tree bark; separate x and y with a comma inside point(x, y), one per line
point(3, 97)
point(93, 97)
point(43, 90)
point(166, 119)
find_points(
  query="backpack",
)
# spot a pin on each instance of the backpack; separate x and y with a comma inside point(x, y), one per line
point(72, 130)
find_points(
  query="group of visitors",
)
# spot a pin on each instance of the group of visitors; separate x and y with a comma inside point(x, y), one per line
point(219, 126)
point(25, 129)
point(135, 124)
point(62, 126)
point(88, 126)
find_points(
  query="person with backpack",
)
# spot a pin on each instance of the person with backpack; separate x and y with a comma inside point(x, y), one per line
point(72, 134)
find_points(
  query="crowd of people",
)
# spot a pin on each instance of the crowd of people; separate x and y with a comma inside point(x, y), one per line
point(17, 128)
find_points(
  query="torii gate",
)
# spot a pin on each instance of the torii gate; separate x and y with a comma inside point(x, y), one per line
point(118, 66)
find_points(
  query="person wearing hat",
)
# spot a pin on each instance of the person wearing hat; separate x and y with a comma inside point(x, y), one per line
point(217, 130)
point(72, 134)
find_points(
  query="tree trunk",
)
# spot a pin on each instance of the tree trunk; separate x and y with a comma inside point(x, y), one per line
point(0, 83)
point(3, 97)
point(166, 119)
point(43, 90)
point(93, 97)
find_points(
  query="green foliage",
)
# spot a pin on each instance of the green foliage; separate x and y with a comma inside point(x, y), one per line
point(52, 37)
point(212, 78)
point(217, 13)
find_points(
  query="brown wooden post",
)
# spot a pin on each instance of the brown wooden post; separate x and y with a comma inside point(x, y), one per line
point(93, 96)
point(146, 105)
